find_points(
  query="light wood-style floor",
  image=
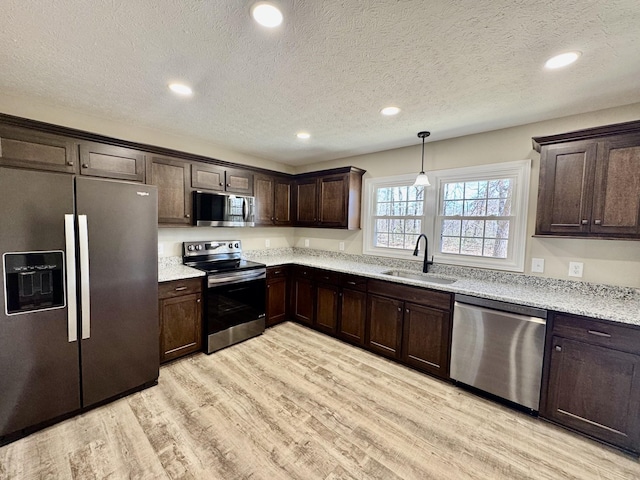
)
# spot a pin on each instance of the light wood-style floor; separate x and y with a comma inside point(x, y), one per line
point(296, 404)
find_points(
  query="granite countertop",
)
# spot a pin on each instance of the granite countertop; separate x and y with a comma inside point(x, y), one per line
point(618, 304)
point(171, 268)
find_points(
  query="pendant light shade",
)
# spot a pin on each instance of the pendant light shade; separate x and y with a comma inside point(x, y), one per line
point(422, 179)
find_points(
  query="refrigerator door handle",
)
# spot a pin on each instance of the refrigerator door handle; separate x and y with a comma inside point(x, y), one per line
point(83, 240)
point(72, 304)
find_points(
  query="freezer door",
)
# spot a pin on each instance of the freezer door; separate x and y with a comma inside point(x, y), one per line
point(118, 255)
point(39, 364)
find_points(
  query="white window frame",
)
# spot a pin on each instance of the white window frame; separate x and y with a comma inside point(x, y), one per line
point(370, 186)
point(520, 171)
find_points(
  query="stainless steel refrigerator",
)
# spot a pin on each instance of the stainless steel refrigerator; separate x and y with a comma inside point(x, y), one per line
point(79, 319)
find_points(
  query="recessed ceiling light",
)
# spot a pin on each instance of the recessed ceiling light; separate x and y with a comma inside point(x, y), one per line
point(303, 135)
point(266, 14)
point(562, 60)
point(180, 89)
point(389, 111)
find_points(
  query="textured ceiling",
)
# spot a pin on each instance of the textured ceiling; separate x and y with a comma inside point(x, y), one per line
point(454, 67)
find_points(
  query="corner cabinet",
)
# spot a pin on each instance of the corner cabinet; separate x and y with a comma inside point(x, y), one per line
point(273, 200)
point(329, 199)
point(589, 183)
point(180, 318)
point(591, 381)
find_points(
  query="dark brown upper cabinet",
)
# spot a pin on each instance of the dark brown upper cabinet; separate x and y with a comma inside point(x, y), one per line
point(273, 200)
point(221, 179)
point(102, 160)
point(330, 198)
point(22, 147)
point(172, 177)
point(589, 183)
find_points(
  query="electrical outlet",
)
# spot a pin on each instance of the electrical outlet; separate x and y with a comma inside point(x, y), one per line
point(341, 246)
point(537, 265)
point(575, 269)
point(306, 242)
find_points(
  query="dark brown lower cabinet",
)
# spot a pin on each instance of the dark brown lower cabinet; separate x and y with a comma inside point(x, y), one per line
point(302, 295)
point(327, 298)
point(180, 318)
point(353, 315)
point(385, 325)
point(426, 338)
point(277, 295)
point(592, 381)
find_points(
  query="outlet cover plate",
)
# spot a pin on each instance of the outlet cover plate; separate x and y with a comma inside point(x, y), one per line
point(537, 265)
point(575, 269)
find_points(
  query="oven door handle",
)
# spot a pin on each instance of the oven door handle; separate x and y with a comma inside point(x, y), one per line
point(221, 280)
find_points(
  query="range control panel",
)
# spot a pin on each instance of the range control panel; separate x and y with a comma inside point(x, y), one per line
point(212, 247)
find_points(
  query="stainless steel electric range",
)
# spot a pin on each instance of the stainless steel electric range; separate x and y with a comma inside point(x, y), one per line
point(235, 295)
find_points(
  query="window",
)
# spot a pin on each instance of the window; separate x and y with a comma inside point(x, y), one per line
point(473, 216)
point(480, 215)
point(396, 215)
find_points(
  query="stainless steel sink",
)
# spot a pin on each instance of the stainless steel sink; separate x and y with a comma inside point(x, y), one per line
point(423, 277)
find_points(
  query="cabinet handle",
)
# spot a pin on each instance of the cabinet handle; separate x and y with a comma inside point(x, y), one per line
point(272, 219)
point(85, 165)
point(558, 348)
point(180, 289)
point(407, 310)
point(187, 216)
point(399, 309)
point(599, 334)
point(220, 184)
point(277, 218)
point(597, 222)
point(70, 164)
point(228, 184)
point(585, 222)
point(277, 272)
point(198, 301)
point(351, 283)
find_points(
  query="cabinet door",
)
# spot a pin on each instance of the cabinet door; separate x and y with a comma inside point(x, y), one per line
point(566, 188)
point(180, 326)
point(20, 147)
point(302, 299)
point(263, 188)
point(238, 181)
point(276, 301)
point(208, 177)
point(282, 202)
point(385, 325)
point(353, 315)
point(171, 176)
point(595, 390)
point(101, 160)
point(333, 199)
point(306, 202)
point(426, 339)
point(327, 308)
point(616, 206)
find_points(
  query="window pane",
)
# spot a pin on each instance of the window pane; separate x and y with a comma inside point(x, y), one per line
point(451, 227)
point(396, 240)
point(497, 229)
point(382, 240)
point(500, 188)
point(415, 193)
point(410, 241)
point(499, 206)
point(473, 228)
point(383, 209)
point(382, 225)
point(452, 207)
point(415, 208)
point(495, 248)
point(475, 207)
point(471, 246)
point(412, 226)
point(399, 209)
point(475, 190)
point(453, 191)
point(450, 245)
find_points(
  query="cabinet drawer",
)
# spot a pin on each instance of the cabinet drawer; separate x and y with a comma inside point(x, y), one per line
point(354, 282)
point(327, 276)
point(421, 296)
point(277, 272)
point(304, 272)
point(176, 288)
point(596, 332)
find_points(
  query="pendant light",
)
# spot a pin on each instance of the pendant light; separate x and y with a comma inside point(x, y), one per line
point(422, 178)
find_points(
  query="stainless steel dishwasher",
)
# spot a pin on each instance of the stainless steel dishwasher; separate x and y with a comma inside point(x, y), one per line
point(498, 347)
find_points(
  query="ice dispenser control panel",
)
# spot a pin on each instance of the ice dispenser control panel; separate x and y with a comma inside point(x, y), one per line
point(33, 281)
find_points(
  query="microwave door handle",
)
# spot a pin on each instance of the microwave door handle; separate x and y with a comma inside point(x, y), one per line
point(84, 276)
point(72, 302)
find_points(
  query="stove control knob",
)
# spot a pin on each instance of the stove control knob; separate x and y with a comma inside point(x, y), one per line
point(190, 248)
point(231, 245)
point(237, 245)
point(198, 247)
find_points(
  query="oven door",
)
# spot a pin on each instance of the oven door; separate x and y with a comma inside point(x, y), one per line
point(234, 312)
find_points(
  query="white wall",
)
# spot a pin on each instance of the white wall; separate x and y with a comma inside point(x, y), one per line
point(614, 262)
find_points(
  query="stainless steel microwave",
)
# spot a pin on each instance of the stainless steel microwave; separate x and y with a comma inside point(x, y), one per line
point(222, 210)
